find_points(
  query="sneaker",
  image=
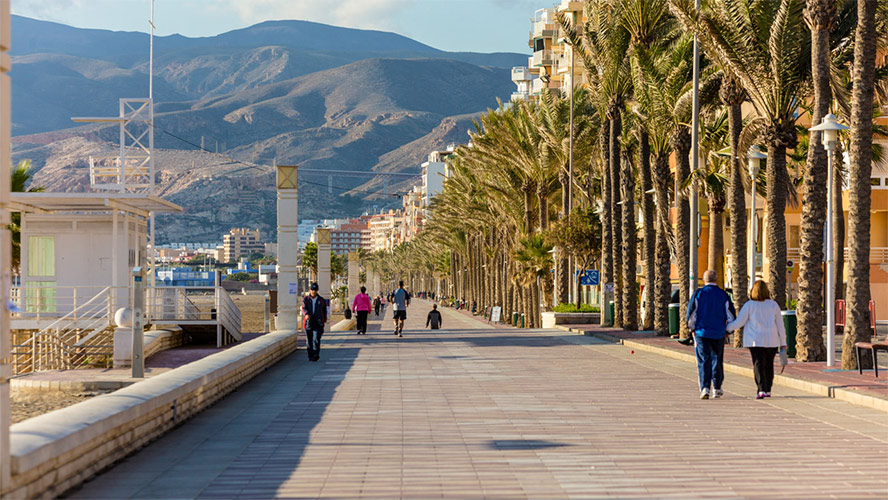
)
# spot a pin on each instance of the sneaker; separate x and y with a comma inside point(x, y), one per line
point(719, 393)
point(399, 334)
point(760, 395)
point(687, 341)
point(704, 394)
point(767, 394)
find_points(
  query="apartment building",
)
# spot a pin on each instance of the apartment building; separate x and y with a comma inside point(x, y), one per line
point(350, 236)
point(241, 241)
point(552, 64)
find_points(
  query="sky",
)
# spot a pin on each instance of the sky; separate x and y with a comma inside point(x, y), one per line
point(452, 25)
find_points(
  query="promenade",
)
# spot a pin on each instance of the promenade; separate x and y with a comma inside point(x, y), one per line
point(471, 411)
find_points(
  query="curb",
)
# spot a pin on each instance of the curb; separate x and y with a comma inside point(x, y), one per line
point(820, 389)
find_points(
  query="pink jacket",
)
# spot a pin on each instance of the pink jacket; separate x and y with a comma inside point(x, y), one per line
point(362, 302)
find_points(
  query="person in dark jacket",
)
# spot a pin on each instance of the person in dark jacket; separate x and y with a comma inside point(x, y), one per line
point(709, 312)
point(376, 304)
point(434, 318)
point(314, 314)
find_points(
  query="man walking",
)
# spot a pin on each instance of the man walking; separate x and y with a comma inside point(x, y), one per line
point(361, 307)
point(434, 318)
point(709, 312)
point(400, 300)
point(314, 314)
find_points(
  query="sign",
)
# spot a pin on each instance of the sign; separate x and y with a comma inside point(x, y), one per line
point(790, 264)
point(293, 288)
point(608, 288)
point(590, 278)
point(496, 314)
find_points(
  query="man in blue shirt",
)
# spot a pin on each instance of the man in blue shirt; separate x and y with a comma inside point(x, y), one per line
point(709, 311)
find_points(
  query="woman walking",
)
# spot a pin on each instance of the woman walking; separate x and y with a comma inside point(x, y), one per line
point(361, 307)
point(763, 335)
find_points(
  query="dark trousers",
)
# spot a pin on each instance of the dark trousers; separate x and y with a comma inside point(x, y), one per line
point(313, 342)
point(362, 321)
point(376, 309)
point(710, 361)
point(763, 366)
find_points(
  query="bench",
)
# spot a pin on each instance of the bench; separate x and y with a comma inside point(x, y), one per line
point(873, 346)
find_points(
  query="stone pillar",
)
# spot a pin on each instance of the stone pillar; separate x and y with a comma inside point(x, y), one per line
point(354, 280)
point(5, 244)
point(289, 296)
point(324, 262)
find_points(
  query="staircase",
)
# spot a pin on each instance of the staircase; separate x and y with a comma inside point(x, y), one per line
point(81, 338)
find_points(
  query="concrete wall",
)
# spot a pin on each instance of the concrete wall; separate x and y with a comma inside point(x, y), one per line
point(53, 453)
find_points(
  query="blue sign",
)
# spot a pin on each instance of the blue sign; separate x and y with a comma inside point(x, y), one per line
point(590, 278)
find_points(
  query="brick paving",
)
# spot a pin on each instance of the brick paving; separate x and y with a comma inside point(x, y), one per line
point(817, 372)
point(477, 412)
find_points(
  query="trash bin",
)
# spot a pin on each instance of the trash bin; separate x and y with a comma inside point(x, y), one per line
point(789, 323)
point(514, 319)
point(610, 310)
point(522, 321)
point(674, 319)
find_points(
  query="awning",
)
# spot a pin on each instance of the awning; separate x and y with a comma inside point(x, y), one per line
point(136, 203)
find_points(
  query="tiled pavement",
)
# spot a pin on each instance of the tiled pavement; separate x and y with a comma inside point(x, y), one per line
point(476, 412)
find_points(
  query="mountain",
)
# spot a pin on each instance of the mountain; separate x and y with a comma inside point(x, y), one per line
point(326, 98)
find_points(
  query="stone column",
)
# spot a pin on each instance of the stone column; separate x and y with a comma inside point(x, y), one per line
point(289, 296)
point(5, 244)
point(324, 261)
point(354, 269)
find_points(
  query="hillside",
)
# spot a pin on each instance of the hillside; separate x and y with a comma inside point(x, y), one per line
point(346, 111)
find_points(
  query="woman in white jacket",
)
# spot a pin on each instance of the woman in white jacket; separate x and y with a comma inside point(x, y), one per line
point(763, 334)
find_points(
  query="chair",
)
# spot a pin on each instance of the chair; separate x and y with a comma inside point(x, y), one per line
point(873, 346)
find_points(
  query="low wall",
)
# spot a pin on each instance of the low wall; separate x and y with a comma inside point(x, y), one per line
point(161, 340)
point(55, 452)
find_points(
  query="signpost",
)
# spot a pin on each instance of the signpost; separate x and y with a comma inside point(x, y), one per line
point(590, 278)
point(496, 314)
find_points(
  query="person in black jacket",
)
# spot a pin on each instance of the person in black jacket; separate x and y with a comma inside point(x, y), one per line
point(434, 318)
point(314, 313)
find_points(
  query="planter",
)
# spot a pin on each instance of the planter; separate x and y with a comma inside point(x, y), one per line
point(550, 319)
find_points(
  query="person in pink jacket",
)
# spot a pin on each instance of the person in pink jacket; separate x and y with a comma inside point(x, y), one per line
point(361, 306)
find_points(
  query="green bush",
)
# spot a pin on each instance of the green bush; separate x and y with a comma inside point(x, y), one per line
point(572, 308)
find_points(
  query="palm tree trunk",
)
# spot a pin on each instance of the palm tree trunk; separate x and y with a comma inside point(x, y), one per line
point(859, 192)
point(737, 209)
point(616, 126)
point(809, 338)
point(777, 179)
point(547, 287)
point(630, 249)
point(644, 166)
point(562, 278)
point(607, 261)
point(681, 145)
point(715, 255)
point(662, 284)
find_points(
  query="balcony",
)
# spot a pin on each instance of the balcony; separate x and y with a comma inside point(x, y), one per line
point(878, 255)
point(521, 74)
point(519, 96)
point(542, 58)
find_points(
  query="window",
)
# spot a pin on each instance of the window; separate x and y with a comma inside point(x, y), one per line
point(875, 181)
point(41, 256)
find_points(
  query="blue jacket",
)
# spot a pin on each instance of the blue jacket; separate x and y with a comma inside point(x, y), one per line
point(709, 311)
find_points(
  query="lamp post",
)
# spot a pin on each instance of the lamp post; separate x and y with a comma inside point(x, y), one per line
point(754, 158)
point(830, 127)
point(695, 164)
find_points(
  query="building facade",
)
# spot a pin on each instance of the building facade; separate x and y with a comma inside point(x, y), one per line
point(241, 241)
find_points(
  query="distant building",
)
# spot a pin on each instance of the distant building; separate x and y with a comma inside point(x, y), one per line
point(524, 79)
point(433, 173)
point(350, 236)
point(241, 241)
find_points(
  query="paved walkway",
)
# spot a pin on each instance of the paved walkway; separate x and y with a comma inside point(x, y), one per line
point(475, 412)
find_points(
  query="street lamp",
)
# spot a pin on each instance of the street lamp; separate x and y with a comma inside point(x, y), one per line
point(830, 127)
point(754, 158)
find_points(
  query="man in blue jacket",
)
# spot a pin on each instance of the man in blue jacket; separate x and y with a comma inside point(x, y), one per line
point(709, 311)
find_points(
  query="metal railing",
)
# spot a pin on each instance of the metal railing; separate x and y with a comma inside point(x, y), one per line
point(81, 337)
point(229, 314)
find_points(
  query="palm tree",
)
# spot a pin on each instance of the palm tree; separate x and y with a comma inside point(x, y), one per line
point(19, 183)
point(820, 15)
point(732, 96)
point(859, 191)
point(765, 46)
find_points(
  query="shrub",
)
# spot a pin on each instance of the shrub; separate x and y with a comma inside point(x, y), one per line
point(572, 308)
